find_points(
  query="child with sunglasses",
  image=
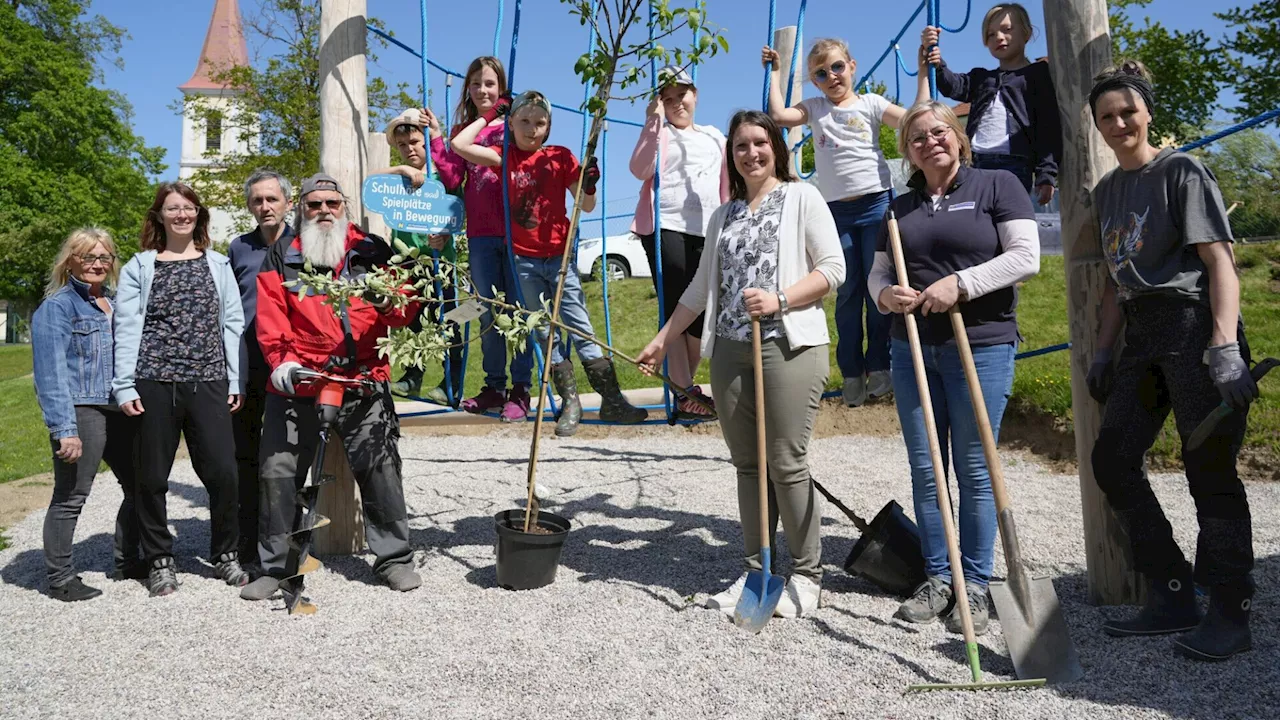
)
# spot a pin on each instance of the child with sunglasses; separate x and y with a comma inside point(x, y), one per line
point(1013, 110)
point(854, 179)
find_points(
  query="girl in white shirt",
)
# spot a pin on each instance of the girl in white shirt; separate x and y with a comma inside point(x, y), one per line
point(693, 183)
point(854, 180)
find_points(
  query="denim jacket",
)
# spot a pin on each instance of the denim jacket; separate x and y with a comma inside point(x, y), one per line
point(131, 315)
point(73, 359)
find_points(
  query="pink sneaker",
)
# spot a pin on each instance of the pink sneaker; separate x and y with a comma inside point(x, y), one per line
point(517, 407)
point(488, 399)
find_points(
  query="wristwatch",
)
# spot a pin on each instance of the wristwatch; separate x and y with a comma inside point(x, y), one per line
point(782, 302)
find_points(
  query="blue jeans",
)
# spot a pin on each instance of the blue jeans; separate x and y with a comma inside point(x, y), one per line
point(858, 222)
point(1016, 164)
point(953, 413)
point(490, 269)
point(538, 277)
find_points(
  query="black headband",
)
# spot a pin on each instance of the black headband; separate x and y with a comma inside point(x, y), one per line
point(1120, 81)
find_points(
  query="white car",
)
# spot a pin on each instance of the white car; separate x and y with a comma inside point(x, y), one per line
point(626, 258)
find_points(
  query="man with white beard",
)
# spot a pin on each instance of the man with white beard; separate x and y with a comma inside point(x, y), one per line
point(298, 333)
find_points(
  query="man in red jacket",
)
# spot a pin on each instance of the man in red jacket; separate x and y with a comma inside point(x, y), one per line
point(297, 333)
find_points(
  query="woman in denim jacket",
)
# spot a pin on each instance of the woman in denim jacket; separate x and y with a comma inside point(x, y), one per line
point(177, 369)
point(73, 359)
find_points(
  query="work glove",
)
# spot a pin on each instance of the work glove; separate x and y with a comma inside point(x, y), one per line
point(283, 377)
point(1100, 373)
point(499, 109)
point(1231, 375)
point(591, 176)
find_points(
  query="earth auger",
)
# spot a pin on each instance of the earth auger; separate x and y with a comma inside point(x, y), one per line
point(331, 391)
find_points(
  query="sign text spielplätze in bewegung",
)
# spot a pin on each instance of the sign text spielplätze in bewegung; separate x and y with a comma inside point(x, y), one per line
point(427, 209)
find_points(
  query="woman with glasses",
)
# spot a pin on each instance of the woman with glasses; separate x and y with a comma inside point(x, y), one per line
point(968, 237)
point(178, 326)
point(73, 359)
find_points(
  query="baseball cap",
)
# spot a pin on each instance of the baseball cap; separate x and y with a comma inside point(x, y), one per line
point(319, 181)
point(677, 75)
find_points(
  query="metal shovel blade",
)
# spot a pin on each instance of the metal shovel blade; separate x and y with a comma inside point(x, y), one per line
point(760, 596)
point(1036, 632)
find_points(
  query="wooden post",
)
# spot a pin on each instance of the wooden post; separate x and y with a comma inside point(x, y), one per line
point(344, 123)
point(379, 157)
point(784, 39)
point(1079, 47)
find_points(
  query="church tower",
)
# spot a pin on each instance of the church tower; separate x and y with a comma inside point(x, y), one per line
point(204, 141)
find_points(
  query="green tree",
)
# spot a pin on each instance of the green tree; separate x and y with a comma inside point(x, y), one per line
point(68, 154)
point(1247, 165)
point(279, 103)
point(1253, 52)
point(1186, 66)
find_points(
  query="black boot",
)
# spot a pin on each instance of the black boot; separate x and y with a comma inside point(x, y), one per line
point(409, 384)
point(1171, 608)
point(567, 387)
point(614, 407)
point(1225, 628)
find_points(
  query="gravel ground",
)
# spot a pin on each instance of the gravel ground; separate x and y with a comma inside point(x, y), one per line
point(619, 634)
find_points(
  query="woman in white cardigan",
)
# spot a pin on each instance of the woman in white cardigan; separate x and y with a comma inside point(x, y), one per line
point(772, 253)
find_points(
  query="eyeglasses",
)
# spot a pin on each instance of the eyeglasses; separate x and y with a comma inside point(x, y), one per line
point(181, 210)
point(331, 204)
point(837, 68)
point(937, 134)
point(91, 260)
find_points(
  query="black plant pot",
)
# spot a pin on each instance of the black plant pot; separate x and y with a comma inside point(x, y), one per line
point(528, 560)
point(888, 553)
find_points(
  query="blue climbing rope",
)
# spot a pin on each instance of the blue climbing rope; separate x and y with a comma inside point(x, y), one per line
point(795, 53)
point(497, 30)
point(768, 41)
point(968, 6)
point(932, 21)
point(604, 233)
point(657, 217)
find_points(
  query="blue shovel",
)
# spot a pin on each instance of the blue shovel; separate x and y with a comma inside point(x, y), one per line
point(763, 589)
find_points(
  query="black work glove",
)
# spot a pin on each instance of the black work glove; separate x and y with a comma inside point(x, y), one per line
point(591, 176)
point(1231, 375)
point(1100, 373)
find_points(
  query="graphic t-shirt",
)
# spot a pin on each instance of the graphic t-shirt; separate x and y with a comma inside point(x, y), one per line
point(482, 196)
point(539, 181)
point(1151, 220)
point(846, 146)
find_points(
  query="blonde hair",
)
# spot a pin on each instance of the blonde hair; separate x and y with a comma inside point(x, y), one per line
point(822, 46)
point(941, 112)
point(79, 242)
point(1018, 17)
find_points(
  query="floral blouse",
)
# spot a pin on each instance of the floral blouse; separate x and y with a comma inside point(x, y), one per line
point(748, 250)
point(182, 332)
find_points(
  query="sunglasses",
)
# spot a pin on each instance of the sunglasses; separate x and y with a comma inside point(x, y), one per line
point(91, 260)
point(938, 134)
point(837, 68)
point(317, 204)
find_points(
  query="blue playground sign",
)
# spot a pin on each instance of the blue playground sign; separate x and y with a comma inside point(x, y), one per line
point(426, 210)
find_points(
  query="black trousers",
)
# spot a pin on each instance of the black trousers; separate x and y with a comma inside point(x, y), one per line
point(246, 427)
point(681, 253)
point(198, 412)
point(1161, 370)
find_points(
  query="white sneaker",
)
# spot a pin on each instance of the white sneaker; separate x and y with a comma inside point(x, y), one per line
point(727, 601)
point(879, 383)
point(801, 597)
point(855, 391)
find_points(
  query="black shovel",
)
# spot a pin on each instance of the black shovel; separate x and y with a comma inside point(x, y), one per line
point(888, 553)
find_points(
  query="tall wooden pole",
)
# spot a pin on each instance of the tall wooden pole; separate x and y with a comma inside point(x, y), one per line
point(1079, 48)
point(784, 40)
point(344, 154)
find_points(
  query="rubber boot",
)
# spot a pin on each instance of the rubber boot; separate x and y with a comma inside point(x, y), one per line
point(614, 407)
point(567, 387)
point(1224, 631)
point(409, 384)
point(1171, 608)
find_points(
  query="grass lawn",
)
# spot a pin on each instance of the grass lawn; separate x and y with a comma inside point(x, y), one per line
point(15, 361)
point(24, 444)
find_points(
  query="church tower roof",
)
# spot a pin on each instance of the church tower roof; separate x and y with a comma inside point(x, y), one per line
point(224, 46)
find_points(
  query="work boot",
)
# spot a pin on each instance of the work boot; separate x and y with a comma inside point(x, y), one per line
point(260, 589)
point(1171, 608)
point(931, 599)
point(409, 384)
point(440, 393)
point(163, 578)
point(131, 569)
point(1224, 631)
point(978, 610)
point(614, 407)
point(228, 568)
point(570, 409)
point(402, 577)
point(73, 590)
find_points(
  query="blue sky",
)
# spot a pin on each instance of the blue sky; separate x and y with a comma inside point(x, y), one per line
point(165, 39)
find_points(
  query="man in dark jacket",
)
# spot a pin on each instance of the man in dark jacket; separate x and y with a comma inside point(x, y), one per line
point(270, 198)
point(302, 332)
